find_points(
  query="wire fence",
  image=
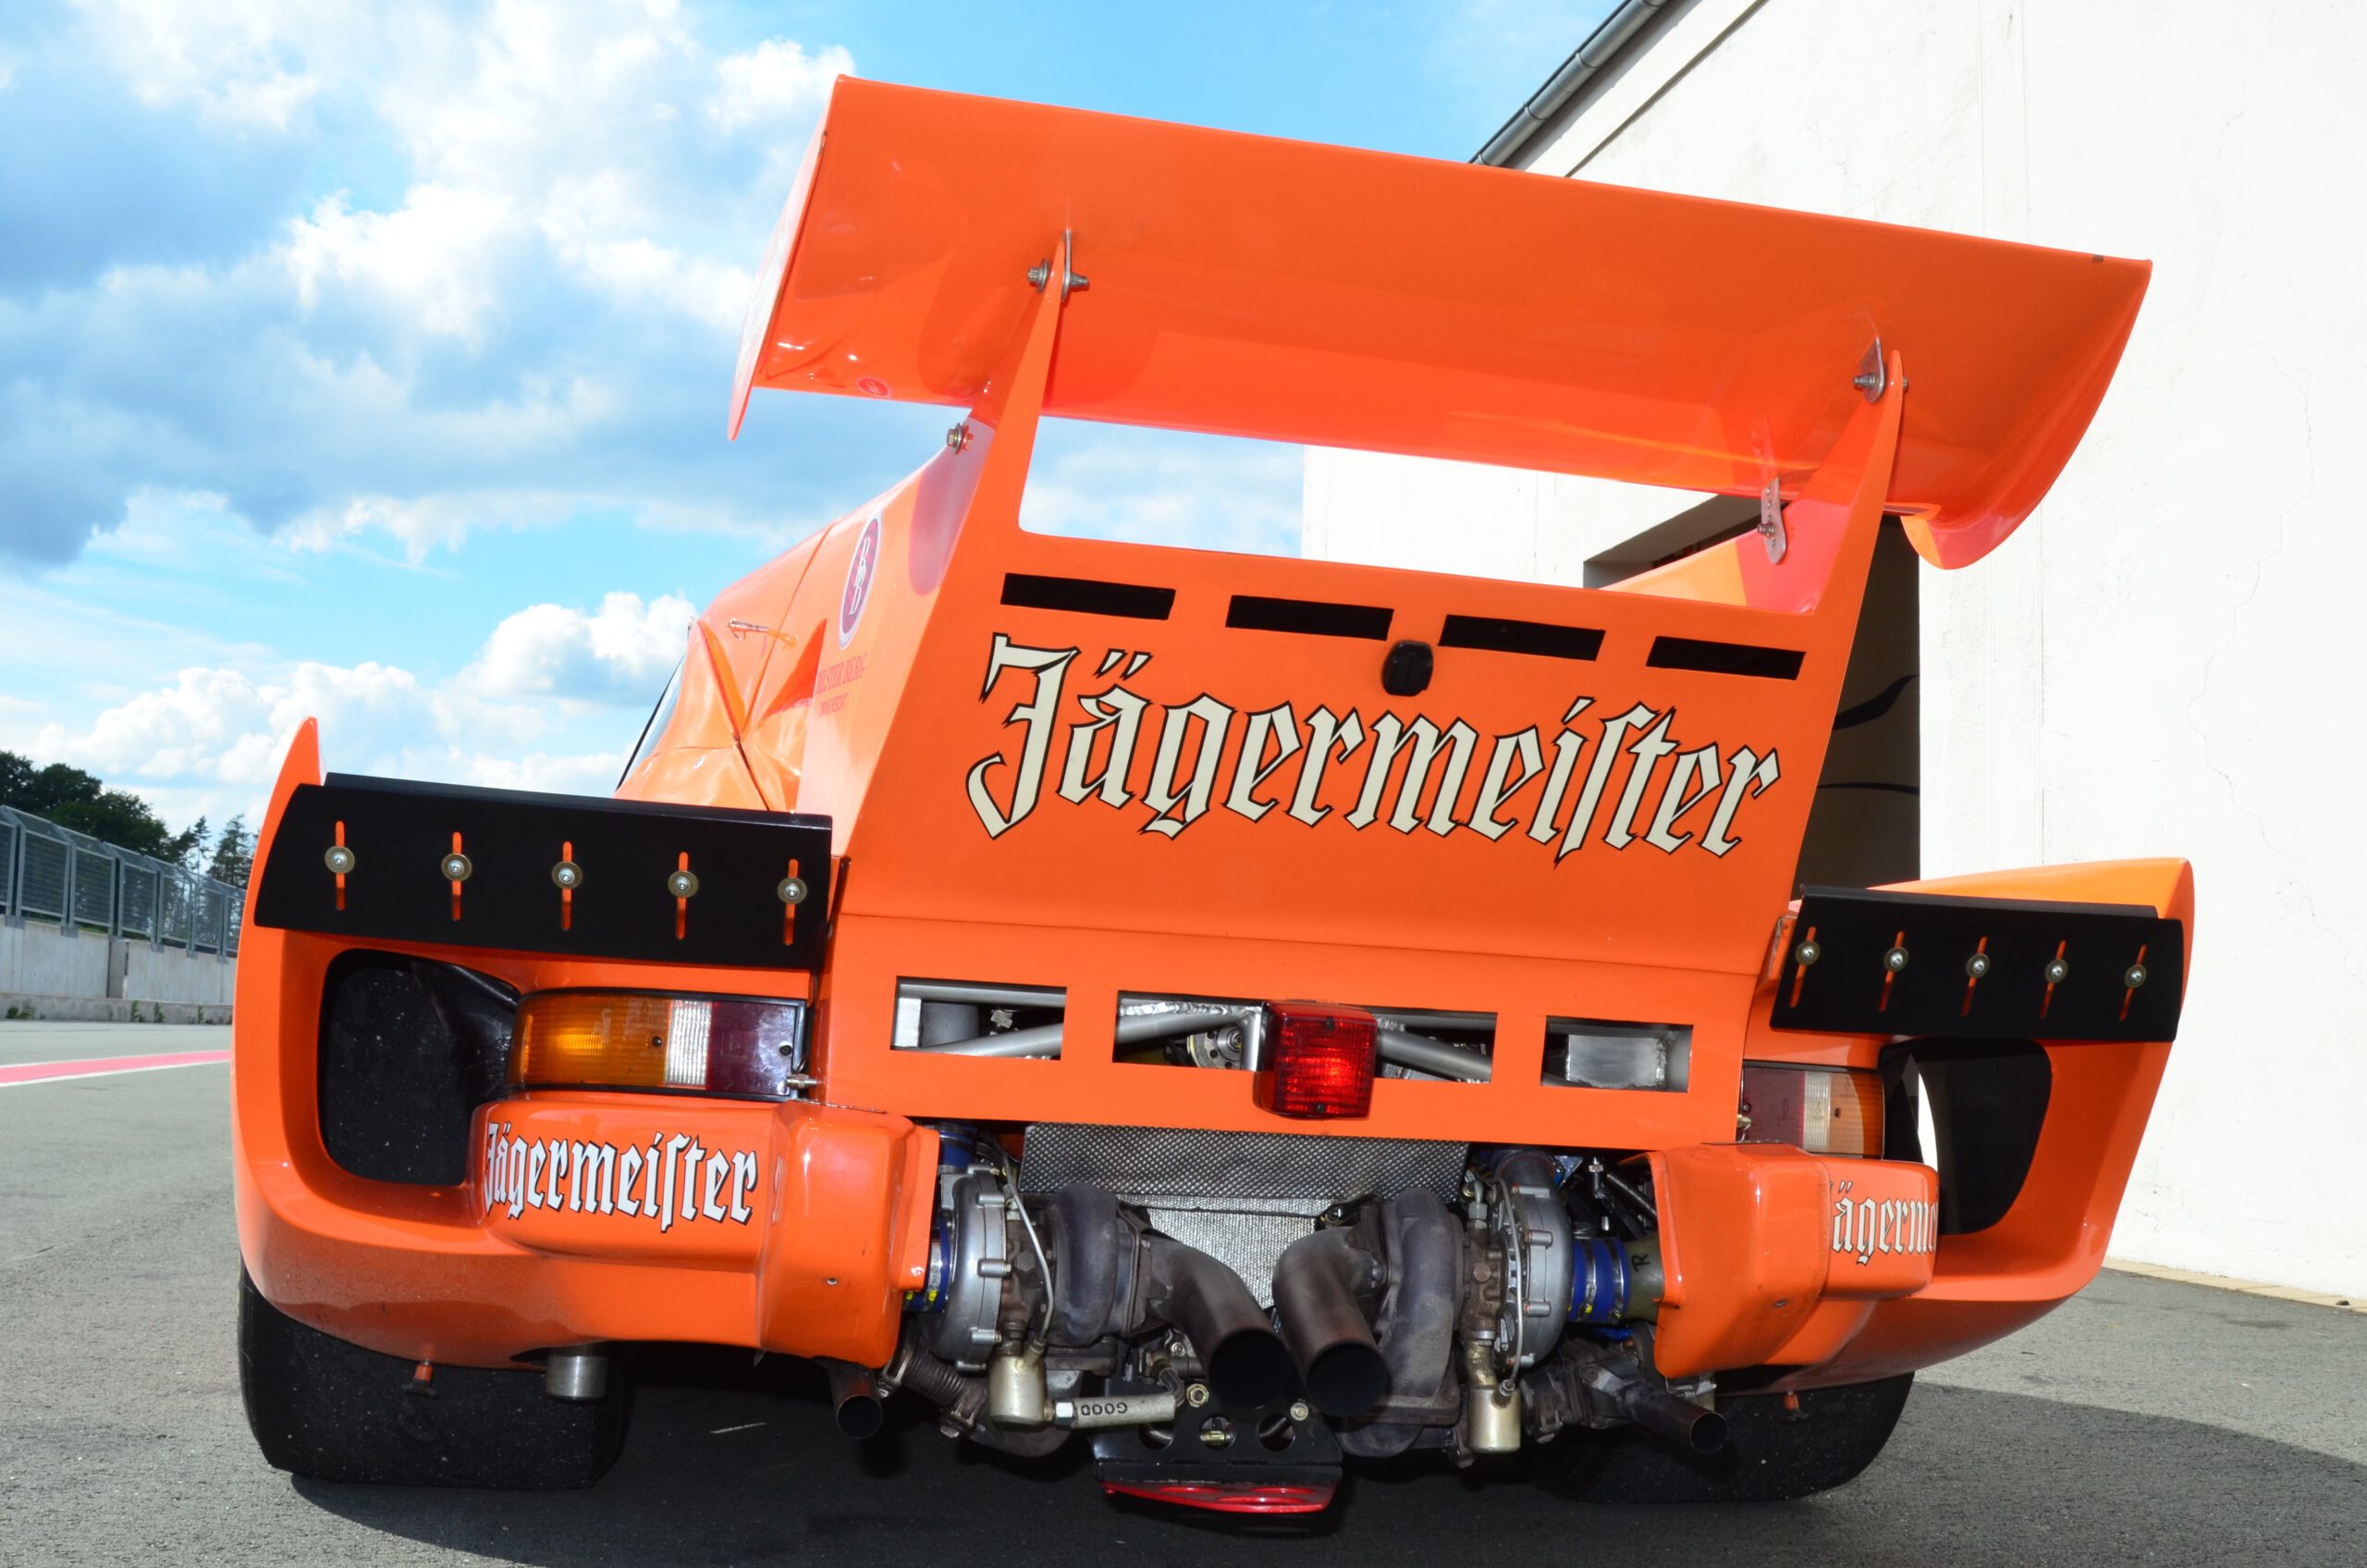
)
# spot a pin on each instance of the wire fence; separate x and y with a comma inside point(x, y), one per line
point(69, 879)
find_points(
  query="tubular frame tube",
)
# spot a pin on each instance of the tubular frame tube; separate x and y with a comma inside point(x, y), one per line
point(983, 996)
point(1134, 1029)
point(1401, 1049)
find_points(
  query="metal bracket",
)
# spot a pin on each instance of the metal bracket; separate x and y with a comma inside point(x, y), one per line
point(1874, 372)
point(1770, 519)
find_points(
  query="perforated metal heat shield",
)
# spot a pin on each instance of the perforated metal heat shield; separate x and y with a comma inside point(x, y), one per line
point(1239, 1196)
point(1198, 1167)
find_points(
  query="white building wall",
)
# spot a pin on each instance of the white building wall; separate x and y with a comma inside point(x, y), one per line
point(2167, 660)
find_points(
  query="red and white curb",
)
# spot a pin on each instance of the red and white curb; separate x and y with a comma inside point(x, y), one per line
point(102, 1067)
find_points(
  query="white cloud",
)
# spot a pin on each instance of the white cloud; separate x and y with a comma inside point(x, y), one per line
point(423, 524)
point(241, 61)
point(431, 261)
point(775, 82)
point(213, 738)
point(220, 724)
point(1166, 488)
point(591, 774)
point(528, 278)
point(617, 653)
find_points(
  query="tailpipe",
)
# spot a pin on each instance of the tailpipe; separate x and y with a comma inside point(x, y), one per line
point(1247, 1366)
point(855, 1397)
point(1315, 1286)
point(1657, 1411)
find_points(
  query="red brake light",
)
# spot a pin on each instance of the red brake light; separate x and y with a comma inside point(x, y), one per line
point(1319, 1060)
point(1232, 1497)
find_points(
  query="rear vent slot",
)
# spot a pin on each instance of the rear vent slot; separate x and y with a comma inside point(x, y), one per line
point(980, 1018)
point(1310, 617)
point(1177, 1031)
point(1541, 638)
point(1189, 1031)
point(1083, 596)
point(1594, 1053)
point(1724, 658)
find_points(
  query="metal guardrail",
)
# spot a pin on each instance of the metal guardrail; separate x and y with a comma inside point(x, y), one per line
point(62, 878)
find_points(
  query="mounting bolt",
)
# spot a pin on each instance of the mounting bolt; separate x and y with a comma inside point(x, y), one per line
point(457, 868)
point(2135, 977)
point(792, 890)
point(1195, 1395)
point(2056, 970)
point(338, 859)
point(1299, 1411)
point(1895, 960)
point(1040, 274)
point(959, 436)
point(566, 874)
point(1977, 966)
point(683, 884)
point(1874, 376)
point(1806, 954)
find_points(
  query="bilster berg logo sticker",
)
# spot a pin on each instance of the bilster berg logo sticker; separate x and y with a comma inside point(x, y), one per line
point(862, 567)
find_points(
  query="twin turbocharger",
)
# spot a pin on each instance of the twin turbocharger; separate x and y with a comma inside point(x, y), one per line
point(1402, 1320)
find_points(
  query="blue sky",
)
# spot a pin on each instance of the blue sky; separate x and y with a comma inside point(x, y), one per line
point(369, 361)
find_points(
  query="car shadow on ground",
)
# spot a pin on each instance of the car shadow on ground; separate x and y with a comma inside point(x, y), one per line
point(716, 1471)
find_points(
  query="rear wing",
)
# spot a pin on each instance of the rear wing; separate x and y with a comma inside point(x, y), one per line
point(1247, 285)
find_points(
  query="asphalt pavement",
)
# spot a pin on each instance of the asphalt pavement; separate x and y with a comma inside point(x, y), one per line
point(2145, 1422)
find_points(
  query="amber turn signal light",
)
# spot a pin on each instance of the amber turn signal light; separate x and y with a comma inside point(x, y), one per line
point(740, 1046)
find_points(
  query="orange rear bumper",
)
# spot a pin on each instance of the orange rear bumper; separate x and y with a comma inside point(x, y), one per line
point(610, 1217)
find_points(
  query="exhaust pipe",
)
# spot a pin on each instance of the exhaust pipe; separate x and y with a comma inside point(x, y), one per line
point(1658, 1412)
point(1416, 1322)
point(1315, 1295)
point(577, 1372)
point(855, 1397)
point(1247, 1366)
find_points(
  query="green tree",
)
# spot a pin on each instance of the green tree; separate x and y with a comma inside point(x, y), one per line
point(186, 849)
point(234, 854)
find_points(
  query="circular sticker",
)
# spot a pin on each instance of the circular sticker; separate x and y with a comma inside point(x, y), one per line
point(860, 568)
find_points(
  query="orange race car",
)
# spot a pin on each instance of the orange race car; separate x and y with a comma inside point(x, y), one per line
point(1248, 1015)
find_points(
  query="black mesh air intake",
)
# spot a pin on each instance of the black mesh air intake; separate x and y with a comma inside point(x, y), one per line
point(410, 1048)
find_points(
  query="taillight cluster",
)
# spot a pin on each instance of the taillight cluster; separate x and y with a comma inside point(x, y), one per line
point(741, 1046)
point(1822, 1109)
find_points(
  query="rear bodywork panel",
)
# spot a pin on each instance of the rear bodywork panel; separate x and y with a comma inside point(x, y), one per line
point(1112, 770)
